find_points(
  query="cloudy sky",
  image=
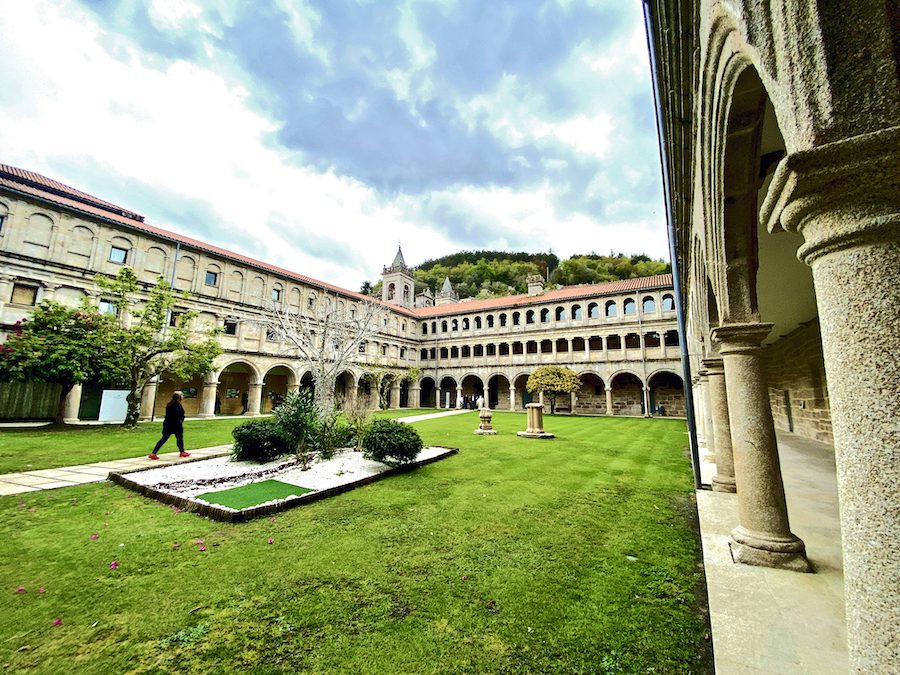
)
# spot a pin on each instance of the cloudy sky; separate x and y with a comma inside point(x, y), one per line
point(317, 134)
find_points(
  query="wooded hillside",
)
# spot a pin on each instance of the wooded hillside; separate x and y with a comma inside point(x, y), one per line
point(486, 274)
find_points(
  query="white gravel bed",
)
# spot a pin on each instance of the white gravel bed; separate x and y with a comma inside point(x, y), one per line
point(219, 473)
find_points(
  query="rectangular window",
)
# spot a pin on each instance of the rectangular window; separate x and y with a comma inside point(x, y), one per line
point(24, 295)
point(230, 327)
point(2, 222)
point(276, 294)
point(212, 279)
point(175, 318)
point(118, 255)
point(107, 307)
point(270, 335)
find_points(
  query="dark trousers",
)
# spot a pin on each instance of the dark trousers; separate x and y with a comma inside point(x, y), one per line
point(179, 439)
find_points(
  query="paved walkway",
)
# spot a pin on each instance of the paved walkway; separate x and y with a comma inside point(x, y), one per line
point(774, 621)
point(49, 479)
point(431, 416)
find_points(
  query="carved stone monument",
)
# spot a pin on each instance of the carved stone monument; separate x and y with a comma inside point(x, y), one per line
point(535, 428)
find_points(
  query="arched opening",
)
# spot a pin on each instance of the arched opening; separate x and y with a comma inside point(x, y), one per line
point(559, 313)
point(427, 393)
point(593, 310)
point(627, 394)
point(477, 323)
point(498, 392)
point(472, 389)
point(648, 305)
point(191, 389)
point(344, 387)
point(629, 307)
point(523, 396)
point(233, 392)
point(611, 310)
point(545, 315)
point(276, 384)
point(590, 399)
point(575, 312)
point(448, 392)
point(666, 394)
point(391, 291)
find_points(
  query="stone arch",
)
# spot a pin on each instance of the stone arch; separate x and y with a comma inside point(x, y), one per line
point(498, 385)
point(666, 393)
point(278, 380)
point(427, 392)
point(522, 396)
point(590, 399)
point(447, 391)
point(235, 386)
point(627, 393)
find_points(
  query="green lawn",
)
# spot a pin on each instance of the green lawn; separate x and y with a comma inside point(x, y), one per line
point(513, 556)
point(54, 446)
point(252, 494)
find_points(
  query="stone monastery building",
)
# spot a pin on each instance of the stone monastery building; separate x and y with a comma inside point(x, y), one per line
point(620, 337)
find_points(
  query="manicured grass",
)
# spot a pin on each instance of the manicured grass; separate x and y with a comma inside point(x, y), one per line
point(252, 494)
point(405, 412)
point(513, 556)
point(54, 446)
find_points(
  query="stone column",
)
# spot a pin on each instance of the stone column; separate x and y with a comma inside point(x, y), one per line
point(709, 438)
point(148, 399)
point(843, 198)
point(458, 397)
point(764, 535)
point(512, 399)
point(6, 285)
point(254, 399)
point(609, 405)
point(415, 397)
point(573, 402)
point(395, 394)
point(71, 405)
point(647, 411)
point(208, 396)
point(717, 402)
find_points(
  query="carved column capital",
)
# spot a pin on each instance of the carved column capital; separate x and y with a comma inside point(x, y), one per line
point(838, 195)
point(741, 338)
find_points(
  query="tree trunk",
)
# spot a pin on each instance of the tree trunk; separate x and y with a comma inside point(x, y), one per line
point(61, 408)
point(553, 404)
point(133, 401)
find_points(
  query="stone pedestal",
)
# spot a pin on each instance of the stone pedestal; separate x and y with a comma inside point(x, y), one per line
point(764, 535)
point(484, 426)
point(717, 401)
point(535, 423)
point(72, 405)
point(512, 398)
point(148, 399)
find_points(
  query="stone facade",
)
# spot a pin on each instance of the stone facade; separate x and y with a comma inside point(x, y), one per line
point(620, 337)
point(782, 149)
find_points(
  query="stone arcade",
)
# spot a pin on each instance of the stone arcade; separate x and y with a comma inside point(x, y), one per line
point(783, 151)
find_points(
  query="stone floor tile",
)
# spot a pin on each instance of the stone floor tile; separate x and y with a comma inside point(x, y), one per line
point(14, 489)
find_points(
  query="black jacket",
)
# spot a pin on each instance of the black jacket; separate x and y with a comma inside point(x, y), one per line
point(174, 420)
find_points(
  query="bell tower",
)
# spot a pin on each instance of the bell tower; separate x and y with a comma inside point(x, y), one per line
point(397, 283)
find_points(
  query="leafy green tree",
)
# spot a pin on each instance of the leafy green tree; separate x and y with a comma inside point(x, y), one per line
point(61, 345)
point(146, 345)
point(553, 381)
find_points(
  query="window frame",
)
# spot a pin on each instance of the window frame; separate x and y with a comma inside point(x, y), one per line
point(113, 248)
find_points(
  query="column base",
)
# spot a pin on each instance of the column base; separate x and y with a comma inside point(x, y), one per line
point(784, 553)
point(71, 420)
point(724, 484)
point(485, 432)
point(251, 414)
point(529, 434)
point(206, 416)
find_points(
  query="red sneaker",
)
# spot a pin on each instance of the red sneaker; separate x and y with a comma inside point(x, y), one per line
point(152, 455)
point(184, 454)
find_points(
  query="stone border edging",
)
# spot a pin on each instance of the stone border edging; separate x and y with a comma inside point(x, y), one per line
point(224, 514)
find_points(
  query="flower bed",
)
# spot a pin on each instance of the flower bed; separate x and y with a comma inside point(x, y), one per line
point(183, 484)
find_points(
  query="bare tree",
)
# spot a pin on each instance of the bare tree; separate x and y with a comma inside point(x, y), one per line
point(331, 335)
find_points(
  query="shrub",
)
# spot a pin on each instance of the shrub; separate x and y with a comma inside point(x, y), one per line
point(259, 441)
point(331, 435)
point(299, 421)
point(386, 439)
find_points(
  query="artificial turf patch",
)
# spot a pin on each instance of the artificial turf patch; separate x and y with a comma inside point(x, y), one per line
point(252, 494)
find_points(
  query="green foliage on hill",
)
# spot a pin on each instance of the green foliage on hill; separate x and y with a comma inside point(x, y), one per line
point(488, 274)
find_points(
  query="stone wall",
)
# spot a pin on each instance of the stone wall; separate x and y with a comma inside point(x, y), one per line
point(588, 401)
point(628, 400)
point(798, 392)
point(671, 399)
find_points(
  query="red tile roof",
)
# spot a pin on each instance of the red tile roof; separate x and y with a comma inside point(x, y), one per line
point(60, 194)
point(559, 294)
point(36, 180)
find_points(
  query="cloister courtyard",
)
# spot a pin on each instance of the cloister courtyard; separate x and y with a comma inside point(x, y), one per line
point(579, 554)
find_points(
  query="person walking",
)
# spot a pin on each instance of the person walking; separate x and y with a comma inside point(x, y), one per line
point(173, 425)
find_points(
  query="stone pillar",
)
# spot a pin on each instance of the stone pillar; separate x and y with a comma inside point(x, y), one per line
point(763, 536)
point(709, 438)
point(647, 411)
point(843, 198)
point(512, 399)
point(573, 402)
point(254, 399)
point(609, 405)
point(208, 396)
point(717, 402)
point(459, 398)
point(395, 394)
point(148, 399)
point(415, 397)
point(71, 405)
